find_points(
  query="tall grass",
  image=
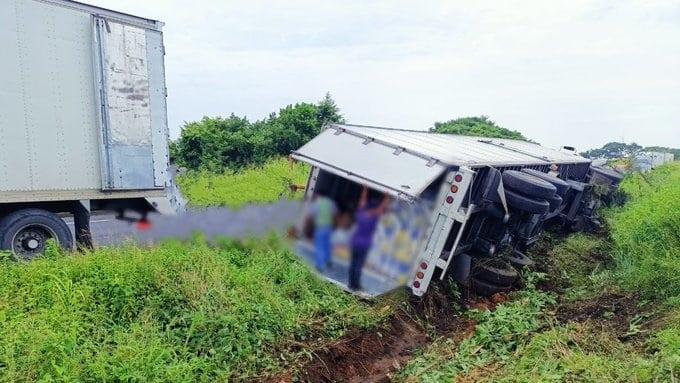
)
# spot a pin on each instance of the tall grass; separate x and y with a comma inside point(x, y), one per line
point(263, 184)
point(646, 233)
point(496, 337)
point(178, 312)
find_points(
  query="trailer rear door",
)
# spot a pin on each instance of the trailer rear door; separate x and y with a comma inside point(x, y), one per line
point(129, 76)
point(381, 166)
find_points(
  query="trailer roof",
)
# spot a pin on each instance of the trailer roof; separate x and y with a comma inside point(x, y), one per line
point(454, 149)
point(404, 162)
point(108, 13)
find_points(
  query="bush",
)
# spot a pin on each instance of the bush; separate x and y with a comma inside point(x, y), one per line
point(476, 126)
point(178, 312)
point(219, 144)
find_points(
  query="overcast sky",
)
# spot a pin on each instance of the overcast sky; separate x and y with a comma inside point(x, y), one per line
point(561, 72)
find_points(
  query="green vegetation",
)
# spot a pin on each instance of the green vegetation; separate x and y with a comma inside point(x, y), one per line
point(646, 233)
point(218, 144)
point(496, 336)
point(234, 189)
point(177, 312)
point(581, 265)
point(476, 126)
point(575, 352)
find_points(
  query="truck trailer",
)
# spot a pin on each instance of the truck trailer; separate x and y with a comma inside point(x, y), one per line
point(83, 124)
point(491, 198)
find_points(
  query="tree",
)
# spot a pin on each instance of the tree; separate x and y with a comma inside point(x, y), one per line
point(613, 150)
point(328, 112)
point(480, 126)
point(216, 144)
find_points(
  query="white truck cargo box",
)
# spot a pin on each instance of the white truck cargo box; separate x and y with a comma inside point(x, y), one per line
point(82, 102)
point(83, 123)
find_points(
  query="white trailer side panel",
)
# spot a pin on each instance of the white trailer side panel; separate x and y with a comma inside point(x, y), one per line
point(48, 135)
point(76, 119)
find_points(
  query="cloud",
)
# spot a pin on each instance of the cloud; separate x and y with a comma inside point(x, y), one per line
point(563, 72)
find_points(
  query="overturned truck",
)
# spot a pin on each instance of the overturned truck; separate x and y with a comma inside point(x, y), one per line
point(491, 198)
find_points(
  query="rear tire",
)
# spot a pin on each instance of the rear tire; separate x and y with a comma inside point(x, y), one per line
point(25, 233)
point(528, 185)
point(555, 203)
point(520, 202)
point(561, 186)
point(486, 289)
point(518, 259)
point(610, 174)
point(495, 271)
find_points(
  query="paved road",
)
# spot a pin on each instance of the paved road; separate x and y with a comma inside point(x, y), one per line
point(254, 220)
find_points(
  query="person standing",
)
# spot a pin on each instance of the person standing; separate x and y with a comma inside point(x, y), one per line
point(366, 218)
point(324, 210)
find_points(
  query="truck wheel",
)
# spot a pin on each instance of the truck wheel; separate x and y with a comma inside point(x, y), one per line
point(612, 175)
point(486, 289)
point(518, 259)
point(520, 202)
point(555, 202)
point(528, 184)
point(561, 186)
point(495, 271)
point(26, 232)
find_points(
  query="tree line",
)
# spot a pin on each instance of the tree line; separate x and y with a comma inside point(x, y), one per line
point(216, 144)
point(613, 150)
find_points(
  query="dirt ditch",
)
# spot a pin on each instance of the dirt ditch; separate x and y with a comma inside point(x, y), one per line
point(374, 356)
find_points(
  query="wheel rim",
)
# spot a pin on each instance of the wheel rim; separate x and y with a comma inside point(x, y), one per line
point(29, 242)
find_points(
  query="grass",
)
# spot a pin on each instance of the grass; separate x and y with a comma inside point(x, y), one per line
point(497, 335)
point(177, 312)
point(255, 185)
point(646, 233)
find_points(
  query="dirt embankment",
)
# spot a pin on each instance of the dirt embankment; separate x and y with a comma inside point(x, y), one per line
point(374, 356)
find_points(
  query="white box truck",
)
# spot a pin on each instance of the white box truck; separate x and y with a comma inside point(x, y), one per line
point(83, 123)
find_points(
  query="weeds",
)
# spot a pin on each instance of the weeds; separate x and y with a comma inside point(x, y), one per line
point(268, 183)
point(646, 233)
point(178, 312)
point(497, 334)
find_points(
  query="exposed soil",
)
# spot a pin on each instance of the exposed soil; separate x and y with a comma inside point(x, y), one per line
point(374, 356)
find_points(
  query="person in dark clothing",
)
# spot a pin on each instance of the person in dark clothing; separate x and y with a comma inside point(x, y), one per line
point(366, 218)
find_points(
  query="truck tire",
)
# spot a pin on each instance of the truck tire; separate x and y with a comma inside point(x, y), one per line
point(518, 259)
point(612, 175)
point(528, 185)
point(529, 205)
point(25, 232)
point(486, 289)
point(555, 203)
point(560, 185)
point(496, 271)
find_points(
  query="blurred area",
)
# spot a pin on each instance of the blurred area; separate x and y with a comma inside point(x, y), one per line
point(250, 221)
point(359, 238)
